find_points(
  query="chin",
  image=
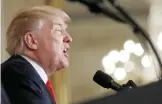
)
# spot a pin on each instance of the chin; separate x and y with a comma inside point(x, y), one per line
point(65, 65)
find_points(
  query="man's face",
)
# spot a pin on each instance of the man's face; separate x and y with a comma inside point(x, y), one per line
point(54, 44)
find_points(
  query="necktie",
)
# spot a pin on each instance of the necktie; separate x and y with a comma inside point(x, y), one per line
point(49, 86)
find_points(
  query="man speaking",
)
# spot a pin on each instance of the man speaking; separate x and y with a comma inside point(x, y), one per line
point(38, 43)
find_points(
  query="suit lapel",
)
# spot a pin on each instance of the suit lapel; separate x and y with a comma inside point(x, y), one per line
point(31, 73)
point(49, 94)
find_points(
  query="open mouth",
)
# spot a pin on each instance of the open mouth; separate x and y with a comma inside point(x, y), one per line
point(65, 51)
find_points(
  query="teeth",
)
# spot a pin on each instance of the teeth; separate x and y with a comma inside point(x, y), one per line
point(65, 50)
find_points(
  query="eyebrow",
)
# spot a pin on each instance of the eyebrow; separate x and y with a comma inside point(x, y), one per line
point(61, 25)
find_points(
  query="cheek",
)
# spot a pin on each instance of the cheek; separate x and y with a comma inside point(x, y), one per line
point(57, 45)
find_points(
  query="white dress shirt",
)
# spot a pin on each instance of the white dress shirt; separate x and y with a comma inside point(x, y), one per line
point(38, 69)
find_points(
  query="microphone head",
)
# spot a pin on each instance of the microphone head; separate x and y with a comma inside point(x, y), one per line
point(102, 79)
point(106, 81)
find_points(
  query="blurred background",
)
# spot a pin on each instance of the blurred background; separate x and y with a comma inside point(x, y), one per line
point(99, 43)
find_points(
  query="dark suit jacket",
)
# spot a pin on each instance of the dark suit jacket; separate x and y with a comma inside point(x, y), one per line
point(4, 97)
point(22, 83)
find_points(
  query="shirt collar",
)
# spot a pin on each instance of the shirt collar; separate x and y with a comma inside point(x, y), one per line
point(38, 69)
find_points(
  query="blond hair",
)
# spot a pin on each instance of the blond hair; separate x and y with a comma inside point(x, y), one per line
point(29, 20)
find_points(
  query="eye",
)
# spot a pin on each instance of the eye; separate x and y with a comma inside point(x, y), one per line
point(58, 28)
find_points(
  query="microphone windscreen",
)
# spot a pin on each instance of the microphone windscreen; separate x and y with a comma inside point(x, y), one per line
point(102, 79)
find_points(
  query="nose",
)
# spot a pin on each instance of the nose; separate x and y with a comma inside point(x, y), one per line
point(68, 38)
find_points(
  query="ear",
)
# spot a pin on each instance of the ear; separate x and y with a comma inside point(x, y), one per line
point(30, 41)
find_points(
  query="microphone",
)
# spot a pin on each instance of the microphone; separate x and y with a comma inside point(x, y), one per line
point(94, 6)
point(91, 4)
point(106, 81)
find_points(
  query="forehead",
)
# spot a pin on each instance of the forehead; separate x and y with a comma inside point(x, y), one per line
point(52, 23)
point(59, 22)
